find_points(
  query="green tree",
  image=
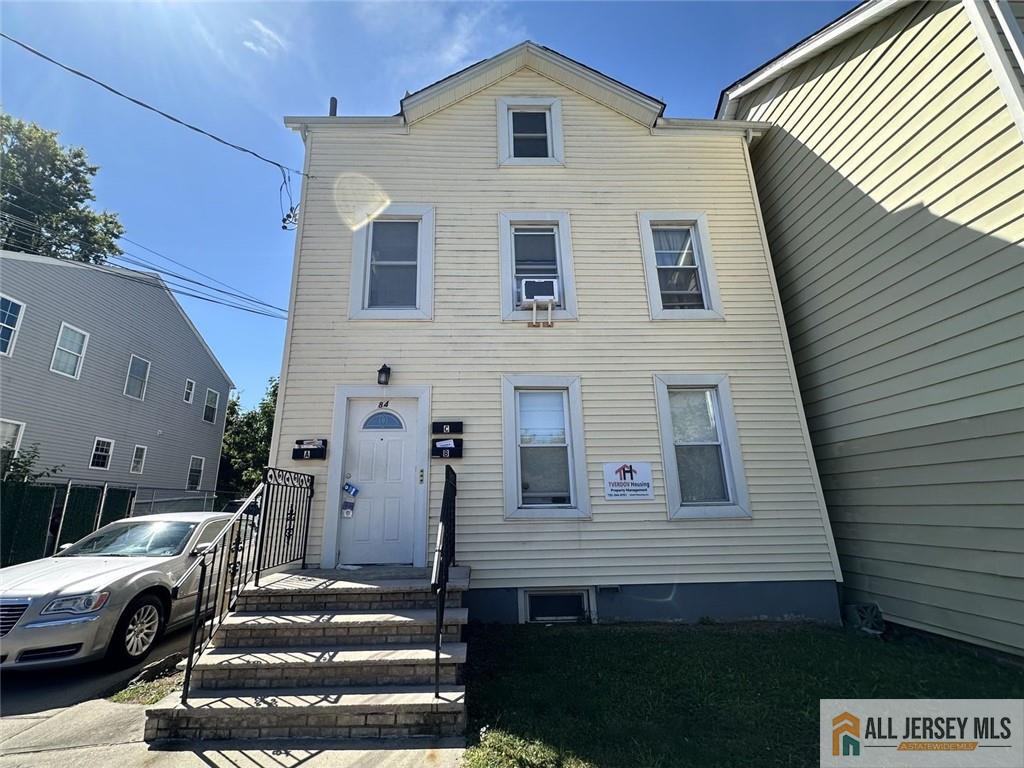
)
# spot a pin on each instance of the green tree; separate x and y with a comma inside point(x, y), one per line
point(20, 467)
point(247, 442)
point(44, 197)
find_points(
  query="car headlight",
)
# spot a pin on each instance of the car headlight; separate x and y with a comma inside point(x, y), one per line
point(78, 604)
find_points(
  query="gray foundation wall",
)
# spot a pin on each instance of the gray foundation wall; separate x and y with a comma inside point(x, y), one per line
point(727, 601)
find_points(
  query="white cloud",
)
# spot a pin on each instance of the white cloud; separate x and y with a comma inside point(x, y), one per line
point(263, 40)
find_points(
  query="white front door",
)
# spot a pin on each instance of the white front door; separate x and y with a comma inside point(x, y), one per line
point(380, 461)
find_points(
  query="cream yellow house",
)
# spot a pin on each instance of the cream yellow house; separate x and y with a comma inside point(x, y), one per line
point(892, 189)
point(532, 262)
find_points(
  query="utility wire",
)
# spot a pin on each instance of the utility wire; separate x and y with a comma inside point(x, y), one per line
point(144, 105)
point(146, 280)
point(237, 292)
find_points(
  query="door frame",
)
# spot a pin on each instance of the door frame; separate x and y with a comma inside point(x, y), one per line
point(335, 470)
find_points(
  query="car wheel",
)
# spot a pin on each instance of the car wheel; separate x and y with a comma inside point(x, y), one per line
point(138, 629)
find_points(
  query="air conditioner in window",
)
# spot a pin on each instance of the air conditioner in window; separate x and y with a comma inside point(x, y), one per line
point(535, 290)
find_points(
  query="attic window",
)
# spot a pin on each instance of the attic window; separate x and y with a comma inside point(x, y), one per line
point(529, 131)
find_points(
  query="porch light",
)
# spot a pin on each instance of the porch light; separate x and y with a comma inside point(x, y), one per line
point(384, 374)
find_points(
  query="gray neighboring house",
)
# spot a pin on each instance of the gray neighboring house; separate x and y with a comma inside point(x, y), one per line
point(103, 369)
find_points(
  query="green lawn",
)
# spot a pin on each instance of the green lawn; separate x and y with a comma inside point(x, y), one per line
point(645, 696)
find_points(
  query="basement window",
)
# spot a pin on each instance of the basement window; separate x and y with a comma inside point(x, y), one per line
point(562, 606)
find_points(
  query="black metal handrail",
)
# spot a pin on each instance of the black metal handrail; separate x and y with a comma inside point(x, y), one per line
point(444, 558)
point(269, 530)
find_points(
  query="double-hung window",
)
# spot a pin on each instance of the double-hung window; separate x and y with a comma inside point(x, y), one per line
point(10, 441)
point(211, 405)
point(11, 312)
point(545, 465)
point(137, 379)
point(138, 460)
point(681, 281)
point(700, 447)
point(535, 245)
point(190, 390)
point(530, 131)
point(195, 473)
point(393, 265)
point(102, 453)
point(69, 352)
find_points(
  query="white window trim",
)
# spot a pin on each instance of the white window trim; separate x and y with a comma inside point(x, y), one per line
point(110, 456)
point(705, 262)
point(553, 106)
point(191, 393)
point(590, 602)
point(81, 359)
point(577, 450)
point(128, 373)
point(739, 503)
point(359, 284)
point(17, 325)
point(202, 471)
point(216, 407)
point(21, 434)
point(509, 219)
point(142, 466)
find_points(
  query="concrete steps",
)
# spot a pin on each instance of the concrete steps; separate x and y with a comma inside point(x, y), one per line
point(326, 654)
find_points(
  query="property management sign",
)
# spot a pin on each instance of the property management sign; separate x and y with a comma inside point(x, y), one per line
point(966, 733)
point(626, 480)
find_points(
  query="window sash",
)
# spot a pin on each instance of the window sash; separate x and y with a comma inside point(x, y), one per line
point(65, 352)
point(135, 383)
point(714, 406)
point(10, 435)
point(376, 267)
point(190, 390)
point(196, 464)
point(565, 444)
point(519, 273)
point(530, 135)
point(680, 299)
point(102, 453)
point(138, 461)
point(210, 409)
point(11, 312)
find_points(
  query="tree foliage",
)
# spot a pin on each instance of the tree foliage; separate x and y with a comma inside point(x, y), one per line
point(45, 194)
point(247, 442)
point(20, 467)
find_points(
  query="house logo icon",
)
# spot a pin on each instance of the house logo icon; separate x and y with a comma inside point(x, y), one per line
point(846, 735)
point(626, 472)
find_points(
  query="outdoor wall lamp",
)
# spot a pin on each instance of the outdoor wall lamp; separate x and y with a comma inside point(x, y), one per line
point(384, 374)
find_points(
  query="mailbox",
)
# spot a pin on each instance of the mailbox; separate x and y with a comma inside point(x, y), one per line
point(446, 448)
point(447, 428)
point(309, 449)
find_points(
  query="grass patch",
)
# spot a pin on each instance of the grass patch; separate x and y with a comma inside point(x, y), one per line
point(653, 696)
point(149, 691)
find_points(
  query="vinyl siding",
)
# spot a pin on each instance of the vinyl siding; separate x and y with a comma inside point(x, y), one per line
point(614, 168)
point(64, 415)
point(892, 187)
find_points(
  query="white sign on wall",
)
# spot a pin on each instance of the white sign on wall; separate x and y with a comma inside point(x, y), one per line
point(628, 481)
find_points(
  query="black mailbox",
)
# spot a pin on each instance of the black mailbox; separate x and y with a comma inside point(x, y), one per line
point(446, 448)
point(447, 428)
point(309, 449)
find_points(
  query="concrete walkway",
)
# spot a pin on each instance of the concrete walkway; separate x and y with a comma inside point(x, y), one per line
point(100, 734)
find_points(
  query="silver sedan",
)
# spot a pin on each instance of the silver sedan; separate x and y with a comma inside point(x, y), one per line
point(108, 595)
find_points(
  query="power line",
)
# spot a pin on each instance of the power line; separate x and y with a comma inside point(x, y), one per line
point(237, 292)
point(144, 105)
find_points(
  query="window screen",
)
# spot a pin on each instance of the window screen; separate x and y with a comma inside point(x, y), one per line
point(393, 265)
point(696, 435)
point(534, 254)
point(530, 134)
point(543, 448)
point(678, 271)
point(138, 375)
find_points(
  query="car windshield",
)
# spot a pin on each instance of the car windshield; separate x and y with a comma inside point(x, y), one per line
point(152, 538)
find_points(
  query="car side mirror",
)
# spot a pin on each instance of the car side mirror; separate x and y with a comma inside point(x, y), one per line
point(62, 547)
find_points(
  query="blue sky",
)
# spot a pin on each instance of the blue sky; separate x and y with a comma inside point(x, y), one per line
point(237, 68)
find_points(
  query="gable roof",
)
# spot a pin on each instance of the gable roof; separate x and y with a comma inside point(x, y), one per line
point(605, 90)
point(143, 277)
point(850, 23)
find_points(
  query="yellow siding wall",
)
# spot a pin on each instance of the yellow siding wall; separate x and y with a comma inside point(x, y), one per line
point(893, 195)
point(614, 168)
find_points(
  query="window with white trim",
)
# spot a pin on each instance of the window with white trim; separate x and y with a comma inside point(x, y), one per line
point(137, 379)
point(69, 351)
point(393, 265)
point(138, 460)
point(211, 405)
point(11, 312)
point(538, 245)
point(544, 464)
point(190, 390)
point(530, 131)
point(102, 453)
point(681, 281)
point(195, 473)
point(10, 440)
point(703, 466)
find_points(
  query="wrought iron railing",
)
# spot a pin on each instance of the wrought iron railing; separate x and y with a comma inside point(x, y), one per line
point(268, 531)
point(444, 558)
